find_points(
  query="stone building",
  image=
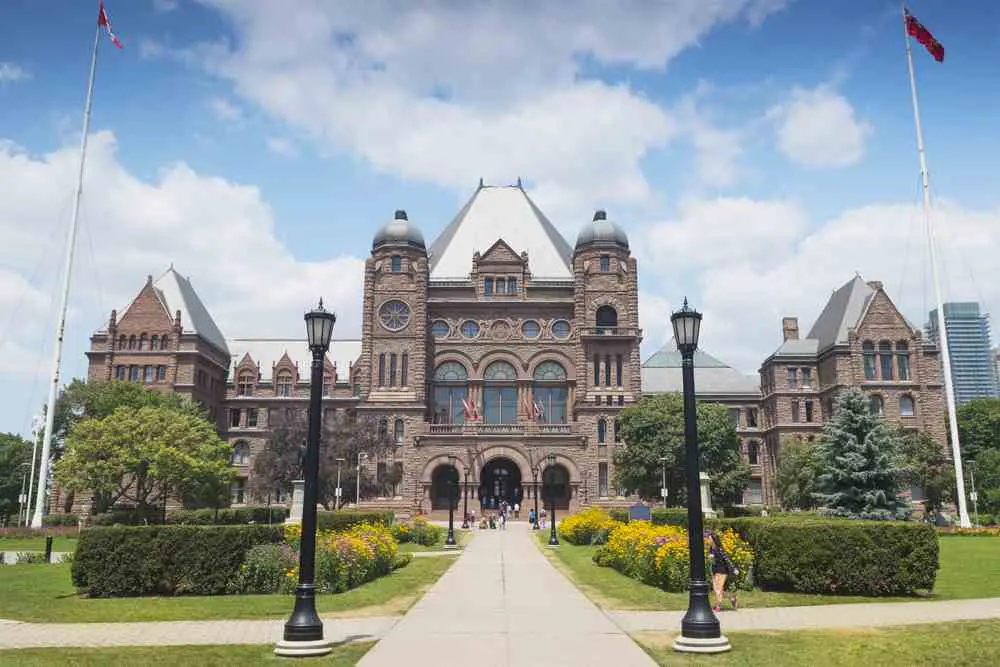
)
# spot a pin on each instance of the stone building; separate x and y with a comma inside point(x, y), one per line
point(860, 339)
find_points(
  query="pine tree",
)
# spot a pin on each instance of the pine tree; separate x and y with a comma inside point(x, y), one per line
point(858, 475)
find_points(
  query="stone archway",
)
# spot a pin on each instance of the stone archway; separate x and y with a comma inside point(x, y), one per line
point(444, 486)
point(500, 480)
point(556, 486)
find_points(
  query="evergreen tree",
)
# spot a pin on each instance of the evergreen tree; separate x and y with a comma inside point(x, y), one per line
point(858, 474)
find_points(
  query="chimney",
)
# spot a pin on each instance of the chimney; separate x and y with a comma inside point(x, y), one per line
point(875, 284)
point(789, 328)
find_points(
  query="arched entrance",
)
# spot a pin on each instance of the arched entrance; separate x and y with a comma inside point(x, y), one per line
point(556, 487)
point(444, 486)
point(500, 480)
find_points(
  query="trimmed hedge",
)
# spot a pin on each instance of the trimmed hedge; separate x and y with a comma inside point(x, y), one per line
point(661, 516)
point(123, 561)
point(61, 520)
point(227, 516)
point(341, 520)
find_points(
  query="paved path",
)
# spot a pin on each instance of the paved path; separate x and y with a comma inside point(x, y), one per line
point(502, 603)
point(864, 614)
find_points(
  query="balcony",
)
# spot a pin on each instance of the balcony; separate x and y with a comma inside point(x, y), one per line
point(611, 332)
point(478, 429)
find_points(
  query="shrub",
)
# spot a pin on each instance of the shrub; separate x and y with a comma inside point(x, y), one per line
point(30, 558)
point(661, 516)
point(421, 531)
point(226, 516)
point(982, 531)
point(61, 520)
point(267, 569)
point(590, 526)
point(167, 560)
point(341, 520)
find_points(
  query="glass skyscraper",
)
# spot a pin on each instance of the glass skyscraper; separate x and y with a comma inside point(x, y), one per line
point(972, 365)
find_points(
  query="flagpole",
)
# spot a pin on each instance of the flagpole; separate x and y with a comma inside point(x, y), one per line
point(50, 411)
point(949, 389)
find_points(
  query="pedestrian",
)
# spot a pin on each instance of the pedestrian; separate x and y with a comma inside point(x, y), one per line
point(517, 509)
point(503, 520)
point(532, 519)
point(722, 568)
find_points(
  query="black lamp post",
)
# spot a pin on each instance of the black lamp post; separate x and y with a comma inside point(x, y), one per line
point(449, 543)
point(700, 631)
point(553, 538)
point(534, 477)
point(304, 630)
point(465, 500)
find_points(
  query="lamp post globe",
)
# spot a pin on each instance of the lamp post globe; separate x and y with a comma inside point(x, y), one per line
point(303, 633)
point(553, 537)
point(700, 630)
point(452, 499)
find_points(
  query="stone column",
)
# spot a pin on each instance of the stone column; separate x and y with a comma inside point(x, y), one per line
point(298, 500)
point(706, 496)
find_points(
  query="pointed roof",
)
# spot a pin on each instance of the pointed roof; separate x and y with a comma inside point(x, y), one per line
point(496, 212)
point(176, 293)
point(842, 312)
point(661, 373)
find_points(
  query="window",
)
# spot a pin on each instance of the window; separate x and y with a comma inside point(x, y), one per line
point(244, 385)
point(142, 341)
point(618, 429)
point(404, 363)
point(754, 495)
point(618, 370)
point(602, 480)
point(394, 315)
point(751, 415)
point(234, 418)
point(440, 329)
point(121, 342)
point(512, 286)
point(560, 329)
point(530, 329)
point(602, 430)
point(607, 370)
point(753, 453)
point(148, 374)
point(470, 329)
point(283, 384)
point(550, 393)
point(252, 417)
point(327, 385)
point(131, 342)
point(241, 453)
point(885, 359)
point(806, 377)
point(795, 412)
point(734, 417)
point(154, 342)
point(500, 393)
point(381, 468)
point(605, 263)
point(501, 286)
point(397, 431)
point(488, 286)
point(383, 428)
point(809, 411)
point(903, 361)
point(392, 369)
point(237, 491)
point(621, 400)
point(793, 378)
point(868, 350)
point(875, 404)
point(597, 370)
point(164, 342)
point(121, 373)
point(607, 317)
point(161, 373)
point(396, 263)
point(450, 391)
point(381, 370)
point(906, 406)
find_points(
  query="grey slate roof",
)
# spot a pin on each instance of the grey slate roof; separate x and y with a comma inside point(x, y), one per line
point(500, 212)
point(841, 313)
point(661, 373)
point(267, 351)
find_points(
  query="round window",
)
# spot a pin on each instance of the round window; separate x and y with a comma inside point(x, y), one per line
point(440, 329)
point(394, 315)
point(530, 329)
point(470, 329)
point(560, 329)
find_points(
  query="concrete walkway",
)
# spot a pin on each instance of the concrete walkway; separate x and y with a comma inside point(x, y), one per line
point(503, 603)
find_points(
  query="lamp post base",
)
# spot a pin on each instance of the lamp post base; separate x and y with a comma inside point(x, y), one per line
point(303, 649)
point(694, 645)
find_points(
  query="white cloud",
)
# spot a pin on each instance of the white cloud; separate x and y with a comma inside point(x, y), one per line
point(819, 128)
point(13, 73)
point(282, 147)
point(219, 233)
point(225, 110)
point(164, 6)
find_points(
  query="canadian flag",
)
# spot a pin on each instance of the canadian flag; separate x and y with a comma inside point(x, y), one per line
point(471, 412)
point(104, 22)
point(538, 412)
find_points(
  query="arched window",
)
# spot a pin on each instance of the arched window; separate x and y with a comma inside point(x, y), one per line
point(550, 393)
point(131, 342)
point(618, 430)
point(404, 363)
point(396, 263)
point(500, 393)
point(245, 384)
point(154, 342)
point(381, 370)
point(868, 350)
point(903, 361)
point(875, 404)
point(142, 341)
point(451, 389)
point(392, 369)
point(906, 405)
point(602, 430)
point(383, 428)
point(885, 359)
point(283, 383)
point(241, 453)
point(753, 452)
point(122, 341)
point(397, 431)
point(164, 342)
point(607, 317)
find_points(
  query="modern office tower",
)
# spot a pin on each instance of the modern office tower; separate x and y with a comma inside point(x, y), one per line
point(973, 367)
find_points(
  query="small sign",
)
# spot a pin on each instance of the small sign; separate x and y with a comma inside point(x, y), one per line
point(664, 493)
point(639, 512)
point(336, 492)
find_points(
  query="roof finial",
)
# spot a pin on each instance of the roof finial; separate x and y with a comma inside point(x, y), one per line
point(519, 182)
point(480, 181)
point(400, 215)
point(321, 303)
point(600, 214)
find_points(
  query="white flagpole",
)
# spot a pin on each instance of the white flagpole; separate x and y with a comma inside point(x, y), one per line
point(50, 412)
point(949, 389)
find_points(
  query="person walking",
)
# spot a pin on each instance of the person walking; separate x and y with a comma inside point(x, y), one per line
point(517, 509)
point(722, 568)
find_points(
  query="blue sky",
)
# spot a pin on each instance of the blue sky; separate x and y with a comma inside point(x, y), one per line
point(758, 152)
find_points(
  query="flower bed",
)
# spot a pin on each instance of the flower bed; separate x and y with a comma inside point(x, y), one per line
point(590, 526)
point(420, 531)
point(658, 555)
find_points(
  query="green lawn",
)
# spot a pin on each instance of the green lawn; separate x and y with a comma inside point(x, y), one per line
point(956, 643)
point(44, 593)
point(36, 544)
point(970, 568)
point(345, 655)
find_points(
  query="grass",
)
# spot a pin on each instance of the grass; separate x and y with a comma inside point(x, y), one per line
point(970, 568)
point(345, 655)
point(45, 594)
point(956, 643)
point(462, 537)
point(36, 544)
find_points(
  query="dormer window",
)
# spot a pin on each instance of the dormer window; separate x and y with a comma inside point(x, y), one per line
point(512, 286)
point(488, 286)
point(501, 286)
point(396, 263)
point(605, 263)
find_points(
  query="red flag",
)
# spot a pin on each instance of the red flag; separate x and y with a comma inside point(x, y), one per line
point(924, 36)
point(103, 21)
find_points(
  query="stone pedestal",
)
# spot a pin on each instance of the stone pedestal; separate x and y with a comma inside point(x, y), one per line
point(706, 496)
point(298, 501)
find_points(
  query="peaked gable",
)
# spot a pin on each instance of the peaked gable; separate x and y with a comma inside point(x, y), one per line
point(500, 253)
point(148, 308)
point(882, 313)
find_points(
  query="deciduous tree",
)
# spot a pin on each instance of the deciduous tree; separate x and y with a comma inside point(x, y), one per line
point(922, 462)
point(798, 467)
point(15, 464)
point(979, 426)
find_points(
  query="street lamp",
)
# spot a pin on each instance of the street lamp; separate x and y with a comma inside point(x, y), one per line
point(357, 490)
point(449, 543)
point(465, 499)
point(338, 493)
point(534, 477)
point(700, 631)
point(663, 484)
point(553, 539)
point(973, 496)
point(304, 630)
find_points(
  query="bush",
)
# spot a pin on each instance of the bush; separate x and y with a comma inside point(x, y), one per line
point(61, 520)
point(166, 560)
point(590, 526)
point(30, 558)
point(340, 520)
point(226, 516)
point(982, 531)
point(268, 568)
point(661, 516)
point(421, 531)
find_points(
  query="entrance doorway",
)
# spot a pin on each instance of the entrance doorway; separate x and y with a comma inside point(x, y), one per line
point(500, 480)
point(444, 487)
point(556, 487)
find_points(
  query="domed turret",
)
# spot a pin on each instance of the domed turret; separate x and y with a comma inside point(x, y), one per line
point(399, 232)
point(602, 232)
